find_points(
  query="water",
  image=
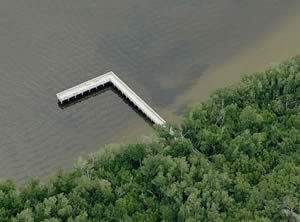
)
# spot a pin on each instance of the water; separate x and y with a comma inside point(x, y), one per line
point(159, 48)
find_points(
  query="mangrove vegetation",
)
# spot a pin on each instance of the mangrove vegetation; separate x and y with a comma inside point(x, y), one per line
point(235, 157)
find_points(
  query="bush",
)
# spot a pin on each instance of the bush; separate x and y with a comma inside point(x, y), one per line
point(235, 157)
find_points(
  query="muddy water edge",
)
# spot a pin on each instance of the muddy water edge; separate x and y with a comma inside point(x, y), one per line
point(172, 53)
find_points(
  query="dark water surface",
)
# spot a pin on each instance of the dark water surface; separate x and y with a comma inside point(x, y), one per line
point(157, 47)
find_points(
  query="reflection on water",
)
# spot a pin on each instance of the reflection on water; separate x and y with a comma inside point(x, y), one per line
point(160, 48)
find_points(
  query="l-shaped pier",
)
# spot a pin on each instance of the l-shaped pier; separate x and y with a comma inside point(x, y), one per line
point(112, 78)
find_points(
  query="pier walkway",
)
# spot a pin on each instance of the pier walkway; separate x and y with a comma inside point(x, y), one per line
point(112, 78)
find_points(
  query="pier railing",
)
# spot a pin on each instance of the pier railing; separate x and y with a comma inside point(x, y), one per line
point(112, 78)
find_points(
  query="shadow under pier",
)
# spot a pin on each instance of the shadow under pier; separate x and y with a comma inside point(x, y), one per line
point(99, 91)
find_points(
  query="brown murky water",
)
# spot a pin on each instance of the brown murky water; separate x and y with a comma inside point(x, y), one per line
point(164, 50)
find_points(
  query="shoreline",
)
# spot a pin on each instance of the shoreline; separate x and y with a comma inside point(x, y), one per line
point(278, 44)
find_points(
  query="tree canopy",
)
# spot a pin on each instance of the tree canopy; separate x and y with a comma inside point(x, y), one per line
point(235, 157)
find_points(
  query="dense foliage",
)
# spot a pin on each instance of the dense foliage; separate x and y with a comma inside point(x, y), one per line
point(236, 157)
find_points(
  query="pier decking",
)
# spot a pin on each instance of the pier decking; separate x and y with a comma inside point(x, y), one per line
point(112, 78)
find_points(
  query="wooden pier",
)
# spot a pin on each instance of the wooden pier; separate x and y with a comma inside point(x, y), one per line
point(112, 78)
